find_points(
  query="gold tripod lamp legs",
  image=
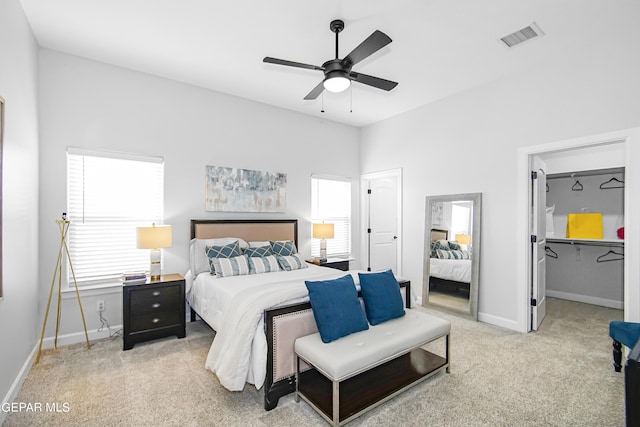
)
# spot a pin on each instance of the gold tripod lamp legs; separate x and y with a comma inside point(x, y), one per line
point(63, 225)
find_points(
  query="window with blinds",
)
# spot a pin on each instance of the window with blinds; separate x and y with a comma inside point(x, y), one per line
point(108, 196)
point(331, 203)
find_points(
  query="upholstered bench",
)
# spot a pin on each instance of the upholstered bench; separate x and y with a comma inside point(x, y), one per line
point(360, 371)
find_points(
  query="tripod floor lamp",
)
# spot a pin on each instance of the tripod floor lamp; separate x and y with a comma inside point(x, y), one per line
point(63, 225)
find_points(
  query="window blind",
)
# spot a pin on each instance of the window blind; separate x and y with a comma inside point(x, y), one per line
point(331, 203)
point(108, 196)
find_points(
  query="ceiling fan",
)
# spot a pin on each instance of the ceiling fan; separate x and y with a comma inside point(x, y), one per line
point(337, 72)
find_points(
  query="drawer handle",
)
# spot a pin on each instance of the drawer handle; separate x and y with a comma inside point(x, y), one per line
point(155, 320)
point(155, 293)
point(156, 305)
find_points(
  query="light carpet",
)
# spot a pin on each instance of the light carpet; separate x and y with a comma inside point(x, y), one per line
point(561, 375)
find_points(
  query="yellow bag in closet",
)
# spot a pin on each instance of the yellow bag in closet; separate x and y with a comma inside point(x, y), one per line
point(584, 225)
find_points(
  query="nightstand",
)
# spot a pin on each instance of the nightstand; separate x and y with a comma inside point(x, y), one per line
point(153, 309)
point(337, 263)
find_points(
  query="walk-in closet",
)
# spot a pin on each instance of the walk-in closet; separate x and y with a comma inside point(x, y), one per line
point(583, 269)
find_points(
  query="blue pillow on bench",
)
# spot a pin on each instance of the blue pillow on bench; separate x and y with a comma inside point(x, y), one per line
point(381, 295)
point(336, 308)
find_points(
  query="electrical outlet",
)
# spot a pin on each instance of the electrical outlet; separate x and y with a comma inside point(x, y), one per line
point(100, 305)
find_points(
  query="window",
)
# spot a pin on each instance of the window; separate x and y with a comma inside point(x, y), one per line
point(331, 203)
point(460, 218)
point(108, 196)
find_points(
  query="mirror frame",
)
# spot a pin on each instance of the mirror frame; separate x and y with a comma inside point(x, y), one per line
point(476, 198)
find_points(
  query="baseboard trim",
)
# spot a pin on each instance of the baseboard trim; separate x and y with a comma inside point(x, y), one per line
point(17, 383)
point(78, 337)
point(499, 321)
point(586, 299)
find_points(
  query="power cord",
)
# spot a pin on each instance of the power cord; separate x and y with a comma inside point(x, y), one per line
point(104, 323)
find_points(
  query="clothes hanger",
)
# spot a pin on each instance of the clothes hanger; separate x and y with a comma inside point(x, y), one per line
point(577, 186)
point(603, 258)
point(613, 183)
point(550, 252)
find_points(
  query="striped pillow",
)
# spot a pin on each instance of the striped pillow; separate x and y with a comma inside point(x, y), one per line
point(442, 254)
point(293, 262)
point(267, 264)
point(235, 266)
point(283, 248)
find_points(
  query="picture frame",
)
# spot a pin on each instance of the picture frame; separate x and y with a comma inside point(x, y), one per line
point(244, 190)
point(2, 115)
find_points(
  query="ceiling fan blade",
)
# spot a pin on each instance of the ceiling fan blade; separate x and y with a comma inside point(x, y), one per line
point(277, 61)
point(373, 81)
point(372, 44)
point(315, 92)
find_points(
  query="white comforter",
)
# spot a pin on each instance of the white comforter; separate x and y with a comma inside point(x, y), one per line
point(458, 270)
point(239, 350)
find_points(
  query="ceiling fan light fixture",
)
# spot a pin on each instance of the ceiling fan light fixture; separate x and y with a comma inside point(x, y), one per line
point(336, 82)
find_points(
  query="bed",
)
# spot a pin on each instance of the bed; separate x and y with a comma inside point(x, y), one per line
point(258, 317)
point(446, 272)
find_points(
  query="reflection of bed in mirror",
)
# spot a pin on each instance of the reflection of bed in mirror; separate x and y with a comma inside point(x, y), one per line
point(448, 274)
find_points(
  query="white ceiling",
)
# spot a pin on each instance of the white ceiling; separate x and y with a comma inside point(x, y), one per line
point(439, 48)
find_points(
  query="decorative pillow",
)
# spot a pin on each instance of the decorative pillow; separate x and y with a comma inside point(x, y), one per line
point(258, 251)
point(199, 261)
point(441, 244)
point(336, 308)
point(265, 264)
point(227, 251)
point(283, 248)
point(442, 254)
point(454, 246)
point(293, 262)
point(235, 266)
point(381, 295)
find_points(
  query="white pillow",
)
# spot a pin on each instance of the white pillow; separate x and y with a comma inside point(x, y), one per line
point(259, 244)
point(236, 266)
point(198, 260)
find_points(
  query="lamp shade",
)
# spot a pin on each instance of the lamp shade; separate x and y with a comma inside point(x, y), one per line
point(154, 237)
point(463, 239)
point(323, 231)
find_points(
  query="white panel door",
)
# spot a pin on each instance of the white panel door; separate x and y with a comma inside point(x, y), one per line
point(383, 224)
point(538, 255)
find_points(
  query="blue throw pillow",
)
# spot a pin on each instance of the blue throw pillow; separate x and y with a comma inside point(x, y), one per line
point(381, 295)
point(227, 251)
point(258, 252)
point(283, 248)
point(336, 308)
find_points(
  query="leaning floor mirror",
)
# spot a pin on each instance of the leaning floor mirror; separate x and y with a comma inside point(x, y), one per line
point(452, 253)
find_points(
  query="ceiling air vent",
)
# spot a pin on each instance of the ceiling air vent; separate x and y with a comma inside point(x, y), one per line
point(521, 36)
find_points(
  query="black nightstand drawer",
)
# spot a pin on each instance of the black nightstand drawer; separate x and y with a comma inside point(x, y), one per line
point(156, 320)
point(150, 301)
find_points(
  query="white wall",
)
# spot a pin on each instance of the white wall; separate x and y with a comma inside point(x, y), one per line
point(18, 83)
point(88, 104)
point(588, 93)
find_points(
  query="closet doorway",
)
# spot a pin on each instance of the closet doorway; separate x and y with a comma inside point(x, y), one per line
point(591, 271)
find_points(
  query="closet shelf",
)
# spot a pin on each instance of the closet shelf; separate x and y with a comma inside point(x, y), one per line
point(592, 242)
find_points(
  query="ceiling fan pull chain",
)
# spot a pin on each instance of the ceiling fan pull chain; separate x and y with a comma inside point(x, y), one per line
point(322, 107)
point(351, 99)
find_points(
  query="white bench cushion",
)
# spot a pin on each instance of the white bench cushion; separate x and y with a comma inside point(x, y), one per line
point(360, 351)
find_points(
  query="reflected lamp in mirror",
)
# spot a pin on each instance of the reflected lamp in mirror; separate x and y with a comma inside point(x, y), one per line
point(154, 238)
point(323, 231)
point(464, 239)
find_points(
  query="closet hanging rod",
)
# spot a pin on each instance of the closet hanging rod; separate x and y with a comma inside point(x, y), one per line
point(577, 174)
point(611, 244)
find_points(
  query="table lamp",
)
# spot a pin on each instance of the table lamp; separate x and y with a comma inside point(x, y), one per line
point(323, 231)
point(154, 238)
point(464, 239)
